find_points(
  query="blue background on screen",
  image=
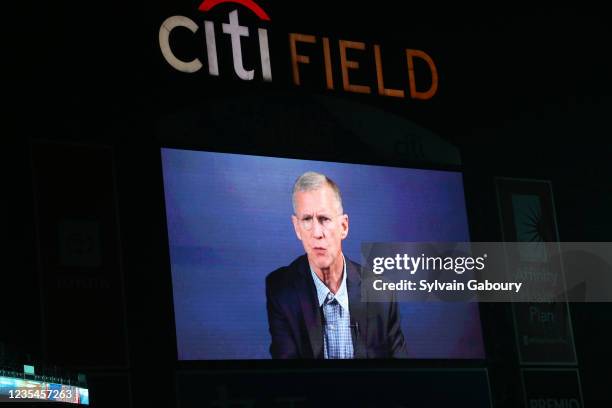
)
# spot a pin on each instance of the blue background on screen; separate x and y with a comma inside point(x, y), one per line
point(229, 225)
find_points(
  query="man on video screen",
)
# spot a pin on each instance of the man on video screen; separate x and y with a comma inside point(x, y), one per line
point(314, 304)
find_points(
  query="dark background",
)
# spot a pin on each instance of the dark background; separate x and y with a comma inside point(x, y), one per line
point(524, 92)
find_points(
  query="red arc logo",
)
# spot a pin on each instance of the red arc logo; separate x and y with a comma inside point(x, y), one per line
point(250, 4)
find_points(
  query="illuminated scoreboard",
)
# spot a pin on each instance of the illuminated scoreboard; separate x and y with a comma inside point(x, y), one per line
point(19, 389)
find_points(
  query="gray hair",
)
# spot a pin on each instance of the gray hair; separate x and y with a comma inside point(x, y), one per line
point(311, 181)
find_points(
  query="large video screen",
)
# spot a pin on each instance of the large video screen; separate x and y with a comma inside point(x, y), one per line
point(232, 222)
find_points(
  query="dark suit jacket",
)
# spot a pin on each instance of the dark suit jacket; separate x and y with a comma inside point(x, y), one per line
point(295, 318)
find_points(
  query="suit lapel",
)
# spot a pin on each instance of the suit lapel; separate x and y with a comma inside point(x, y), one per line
point(307, 298)
point(357, 309)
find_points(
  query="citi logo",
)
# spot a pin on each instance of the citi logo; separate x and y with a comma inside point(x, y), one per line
point(323, 58)
point(231, 28)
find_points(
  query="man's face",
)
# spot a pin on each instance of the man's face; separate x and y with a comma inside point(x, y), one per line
point(320, 226)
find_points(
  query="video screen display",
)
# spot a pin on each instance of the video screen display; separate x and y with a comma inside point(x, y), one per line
point(251, 260)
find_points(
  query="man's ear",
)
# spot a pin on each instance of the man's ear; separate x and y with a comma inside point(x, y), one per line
point(345, 226)
point(296, 227)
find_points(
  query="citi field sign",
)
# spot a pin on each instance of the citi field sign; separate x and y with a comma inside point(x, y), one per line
point(422, 88)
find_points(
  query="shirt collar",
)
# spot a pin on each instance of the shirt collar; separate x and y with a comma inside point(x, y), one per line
point(322, 290)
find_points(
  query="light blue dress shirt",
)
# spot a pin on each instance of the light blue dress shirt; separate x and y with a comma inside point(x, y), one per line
point(337, 339)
